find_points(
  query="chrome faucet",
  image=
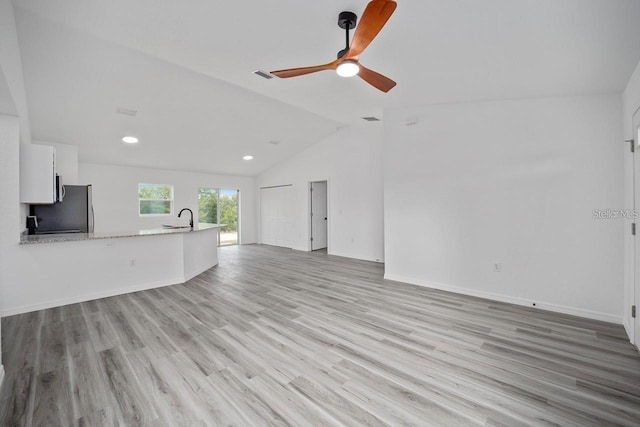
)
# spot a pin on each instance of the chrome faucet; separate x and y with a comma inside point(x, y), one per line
point(191, 212)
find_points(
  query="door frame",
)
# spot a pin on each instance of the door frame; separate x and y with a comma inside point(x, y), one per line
point(309, 210)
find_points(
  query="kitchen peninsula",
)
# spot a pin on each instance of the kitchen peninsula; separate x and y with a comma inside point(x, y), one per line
point(75, 267)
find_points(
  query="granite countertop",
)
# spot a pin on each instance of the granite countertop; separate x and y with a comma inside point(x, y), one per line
point(26, 239)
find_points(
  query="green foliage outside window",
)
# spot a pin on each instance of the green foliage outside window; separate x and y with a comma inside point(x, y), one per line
point(155, 199)
point(208, 205)
point(219, 206)
point(229, 212)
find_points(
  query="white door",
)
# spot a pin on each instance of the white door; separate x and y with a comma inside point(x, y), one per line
point(318, 215)
point(635, 329)
point(275, 216)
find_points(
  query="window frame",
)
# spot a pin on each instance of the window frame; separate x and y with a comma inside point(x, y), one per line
point(170, 200)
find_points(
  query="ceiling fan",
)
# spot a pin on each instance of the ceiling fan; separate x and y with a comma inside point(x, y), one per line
point(374, 17)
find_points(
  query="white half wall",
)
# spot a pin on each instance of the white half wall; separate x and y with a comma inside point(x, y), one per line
point(513, 183)
point(115, 196)
point(350, 161)
point(61, 273)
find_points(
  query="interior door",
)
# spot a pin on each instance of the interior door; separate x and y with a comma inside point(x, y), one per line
point(318, 215)
point(636, 253)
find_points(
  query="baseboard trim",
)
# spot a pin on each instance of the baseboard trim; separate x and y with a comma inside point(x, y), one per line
point(575, 311)
point(90, 296)
point(627, 329)
point(190, 275)
point(356, 256)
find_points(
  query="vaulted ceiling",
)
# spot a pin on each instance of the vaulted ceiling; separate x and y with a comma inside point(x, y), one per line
point(186, 68)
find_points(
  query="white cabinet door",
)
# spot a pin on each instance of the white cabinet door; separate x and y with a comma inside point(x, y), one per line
point(37, 174)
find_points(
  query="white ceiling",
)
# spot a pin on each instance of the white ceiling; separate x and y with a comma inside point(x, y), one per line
point(186, 67)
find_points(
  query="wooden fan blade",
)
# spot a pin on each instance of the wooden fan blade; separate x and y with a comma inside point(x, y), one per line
point(293, 72)
point(376, 80)
point(375, 15)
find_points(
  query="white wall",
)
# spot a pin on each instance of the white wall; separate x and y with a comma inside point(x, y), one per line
point(630, 104)
point(350, 161)
point(10, 207)
point(11, 65)
point(115, 196)
point(510, 182)
point(11, 130)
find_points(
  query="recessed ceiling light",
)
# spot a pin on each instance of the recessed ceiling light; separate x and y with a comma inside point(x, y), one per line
point(130, 139)
point(248, 157)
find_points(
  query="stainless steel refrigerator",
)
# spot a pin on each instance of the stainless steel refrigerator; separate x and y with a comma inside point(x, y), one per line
point(74, 214)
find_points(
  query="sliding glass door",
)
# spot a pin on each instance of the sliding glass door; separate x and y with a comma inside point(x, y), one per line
point(220, 206)
point(228, 219)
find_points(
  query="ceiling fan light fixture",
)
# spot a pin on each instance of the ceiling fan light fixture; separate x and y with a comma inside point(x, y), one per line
point(348, 68)
point(375, 16)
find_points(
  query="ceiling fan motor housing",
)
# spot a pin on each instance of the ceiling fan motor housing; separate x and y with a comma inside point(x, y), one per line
point(347, 18)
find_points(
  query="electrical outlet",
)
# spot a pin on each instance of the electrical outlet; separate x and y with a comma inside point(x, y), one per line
point(497, 267)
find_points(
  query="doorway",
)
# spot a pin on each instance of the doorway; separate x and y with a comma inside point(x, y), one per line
point(319, 215)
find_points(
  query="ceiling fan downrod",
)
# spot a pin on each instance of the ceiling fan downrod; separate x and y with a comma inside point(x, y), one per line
point(347, 21)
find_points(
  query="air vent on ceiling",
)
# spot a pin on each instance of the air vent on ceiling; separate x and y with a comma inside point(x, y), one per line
point(263, 74)
point(371, 119)
point(126, 112)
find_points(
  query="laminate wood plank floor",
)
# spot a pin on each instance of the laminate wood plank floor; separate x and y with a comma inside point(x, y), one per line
point(278, 337)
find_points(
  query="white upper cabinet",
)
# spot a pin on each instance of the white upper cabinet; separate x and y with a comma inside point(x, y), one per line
point(37, 174)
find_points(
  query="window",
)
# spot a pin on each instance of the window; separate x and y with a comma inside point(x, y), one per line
point(219, 206)
point(155, 199)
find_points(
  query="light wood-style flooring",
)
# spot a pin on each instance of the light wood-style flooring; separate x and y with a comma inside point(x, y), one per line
point(278, 337)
